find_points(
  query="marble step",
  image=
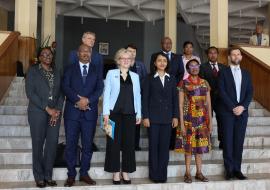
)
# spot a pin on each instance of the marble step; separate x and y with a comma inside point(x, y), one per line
point(11, 101)
point(17, 173)
point(25, 142)
point(25, 156)
point(255, 181)
point(22, 120)
point(16, 130)
point(22, 110)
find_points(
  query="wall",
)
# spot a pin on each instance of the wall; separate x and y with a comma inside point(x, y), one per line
point(116, 33)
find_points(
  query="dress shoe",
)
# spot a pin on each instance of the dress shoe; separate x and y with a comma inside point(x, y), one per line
point(70, 182)
point(125, 181)
point(239, 175)
point(40, 184)
point(51, 183)
point(87, 179)
point(229, 176)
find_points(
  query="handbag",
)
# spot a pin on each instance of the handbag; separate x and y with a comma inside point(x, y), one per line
point(60, 160)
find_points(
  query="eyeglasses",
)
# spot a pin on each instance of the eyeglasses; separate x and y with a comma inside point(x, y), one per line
point(125, 59)
point(194, 66)
point(46, 55)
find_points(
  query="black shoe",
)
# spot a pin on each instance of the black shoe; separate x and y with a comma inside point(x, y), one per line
point(229, 176)
point(116, 182)
point(138, 148)
point(94, 148)
point(239, 175)
point(51, 183)
point(125, 181)
point(40, 184)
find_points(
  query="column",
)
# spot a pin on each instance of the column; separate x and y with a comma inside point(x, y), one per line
point(26, 17)
point(3, 19)
point(219, 27)
point(171, 21)
point(48, 20)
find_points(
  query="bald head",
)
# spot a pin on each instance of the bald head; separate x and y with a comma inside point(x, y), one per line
point(84, 53)
point(166, 44)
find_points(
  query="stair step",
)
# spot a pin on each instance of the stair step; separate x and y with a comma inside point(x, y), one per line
point(25, 142)
point(15, 173)
point(255, 181)
point(9, 130)
point(11, 156)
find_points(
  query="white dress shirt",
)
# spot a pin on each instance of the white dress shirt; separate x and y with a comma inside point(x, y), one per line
point(237, 76)
point(162, 78)
point(169, 54)
point(216, 65)
point(81, 67)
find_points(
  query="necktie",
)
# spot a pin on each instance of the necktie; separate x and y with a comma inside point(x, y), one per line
point(84, 75)
point(214, 70)
point(169, 56)
point(237, 81)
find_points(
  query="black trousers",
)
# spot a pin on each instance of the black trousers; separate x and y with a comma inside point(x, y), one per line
point(234, 131)
point(159, 142)
point(44, 144)
point(137, 136)
point(124, 141)
point(215, 108)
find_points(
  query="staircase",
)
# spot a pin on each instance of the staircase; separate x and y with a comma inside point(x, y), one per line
point(16, 156)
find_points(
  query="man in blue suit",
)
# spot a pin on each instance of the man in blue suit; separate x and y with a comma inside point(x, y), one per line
point(82, 86)
point(89, 39)
point(236, 92)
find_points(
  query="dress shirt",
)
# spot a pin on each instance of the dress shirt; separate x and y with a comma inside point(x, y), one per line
point(237, 76)
point(162, 78)
point(81, 67)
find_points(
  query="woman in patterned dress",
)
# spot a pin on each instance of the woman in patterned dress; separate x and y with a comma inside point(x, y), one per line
point(195, 119)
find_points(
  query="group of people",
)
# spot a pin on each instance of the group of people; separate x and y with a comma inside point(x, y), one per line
point(176, 100)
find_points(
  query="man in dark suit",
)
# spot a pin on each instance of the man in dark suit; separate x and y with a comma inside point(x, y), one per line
point(210, 71)
point(236, 92)
point(82, 85)
point(139, 68)
point(176, 68)
point(89, 39)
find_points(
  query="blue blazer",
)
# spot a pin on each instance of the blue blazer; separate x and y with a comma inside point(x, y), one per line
point(160, 104)
point(112, 90)
point(227, 91)
point(141, 69)
point(96, 58)
point(73, 86)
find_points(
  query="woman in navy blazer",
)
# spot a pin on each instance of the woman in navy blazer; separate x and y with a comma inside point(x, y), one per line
point(122, 104)
point(160, 113)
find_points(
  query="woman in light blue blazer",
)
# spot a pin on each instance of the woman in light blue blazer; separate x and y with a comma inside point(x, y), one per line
point(122, 104)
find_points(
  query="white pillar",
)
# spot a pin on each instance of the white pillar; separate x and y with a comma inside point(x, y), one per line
point(48, 20)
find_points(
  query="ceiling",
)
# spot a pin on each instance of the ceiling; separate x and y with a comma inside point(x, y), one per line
point(243, 14)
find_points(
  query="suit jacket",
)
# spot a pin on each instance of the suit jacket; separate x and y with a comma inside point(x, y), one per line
point(206, 72)
point(160, 104)
point(265, 40)
point(37, 90)
point(140, 69)
point(176, 66)
point(112, 90)
point(73, 86)
point(228, 95)
point(96, 59)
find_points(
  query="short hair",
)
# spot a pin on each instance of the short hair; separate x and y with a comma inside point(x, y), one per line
point(189, 62)
point(131, 45)
point(186, 43)
point(155, 59)
point(212, 47)
point(88, 33)
point(90, 49)
point(119, 53)
point(165, 38)
point(232, 49)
